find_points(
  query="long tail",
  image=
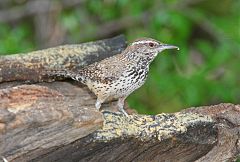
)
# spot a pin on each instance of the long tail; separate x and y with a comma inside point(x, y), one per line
point(75, 75)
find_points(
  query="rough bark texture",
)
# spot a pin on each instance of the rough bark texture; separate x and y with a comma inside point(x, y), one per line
point(57, 121)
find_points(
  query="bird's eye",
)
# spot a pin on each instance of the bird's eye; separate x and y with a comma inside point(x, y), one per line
point(151, 44)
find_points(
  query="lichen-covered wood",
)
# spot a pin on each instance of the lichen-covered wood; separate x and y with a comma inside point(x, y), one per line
point(57, 121)
point(61, 124)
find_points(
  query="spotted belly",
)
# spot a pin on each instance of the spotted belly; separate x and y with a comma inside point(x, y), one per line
point(121, 87)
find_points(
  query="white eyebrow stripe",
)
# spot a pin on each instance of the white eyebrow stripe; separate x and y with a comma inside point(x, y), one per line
point(142, 41)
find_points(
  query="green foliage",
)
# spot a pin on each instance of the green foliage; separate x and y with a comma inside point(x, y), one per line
point(204, 71)
point(15, 39)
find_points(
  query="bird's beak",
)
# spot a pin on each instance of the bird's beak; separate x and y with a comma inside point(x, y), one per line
point(167, 46)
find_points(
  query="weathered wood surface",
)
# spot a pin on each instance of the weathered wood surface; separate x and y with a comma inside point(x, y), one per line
point(57, 121)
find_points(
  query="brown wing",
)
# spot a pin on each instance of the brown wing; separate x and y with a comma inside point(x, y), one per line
point(106, 70)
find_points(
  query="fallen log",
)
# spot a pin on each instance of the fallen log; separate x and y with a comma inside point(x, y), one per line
point(57, 121)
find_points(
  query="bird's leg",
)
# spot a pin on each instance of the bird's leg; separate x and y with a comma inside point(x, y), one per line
point(98, 104)
point(4, 159)
point(121, 105)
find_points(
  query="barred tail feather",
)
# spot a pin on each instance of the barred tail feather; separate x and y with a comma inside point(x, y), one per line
point(66, 74)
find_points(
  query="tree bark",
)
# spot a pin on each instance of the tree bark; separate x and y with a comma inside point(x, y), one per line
point(57, 121)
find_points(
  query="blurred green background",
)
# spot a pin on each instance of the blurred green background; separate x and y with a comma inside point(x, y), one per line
point(205, 71)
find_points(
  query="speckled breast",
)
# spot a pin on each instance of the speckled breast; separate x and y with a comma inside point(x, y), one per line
point(128, 82)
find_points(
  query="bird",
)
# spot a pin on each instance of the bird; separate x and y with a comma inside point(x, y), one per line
point(116, 77)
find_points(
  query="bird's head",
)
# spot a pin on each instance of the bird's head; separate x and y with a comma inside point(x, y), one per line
point(149, 48)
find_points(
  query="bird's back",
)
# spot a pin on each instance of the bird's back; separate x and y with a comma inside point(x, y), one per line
point(105, 71)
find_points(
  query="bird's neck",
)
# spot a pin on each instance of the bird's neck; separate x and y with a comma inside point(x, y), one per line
point(143, 63)
point(139, 59)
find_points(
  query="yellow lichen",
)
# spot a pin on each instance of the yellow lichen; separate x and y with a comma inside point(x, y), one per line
point(146, 127)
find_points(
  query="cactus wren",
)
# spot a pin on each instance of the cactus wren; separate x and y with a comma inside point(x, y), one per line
point(118, 76)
